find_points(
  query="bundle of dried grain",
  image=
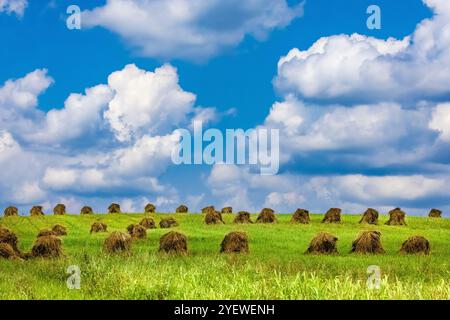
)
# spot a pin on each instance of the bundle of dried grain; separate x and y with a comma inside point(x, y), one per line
point(47, 247)
point(11, 212)
point(323, 243)
point(396, 218)
point(59, 230)
point(59, 210)
point(242, 217)
point(114, 208)
point(235, 242)
point(301, 216)
point(368, 242)
point(86, 210)
point(46, 233)
point(267, 215)
point(137, 231)
point(208, 209)
point(8, 237)
point(150, 208)
point(213, 217)
point(168, 223)
point(332, 216)
point(36, 211)
point(370, 216)
point(182, 209)
point(148, 223)
point(434, 213)
point(7, 252)
point(174, 243)
point(416, 245)
point(117, 242)
point(98, 227)
point(227, 210)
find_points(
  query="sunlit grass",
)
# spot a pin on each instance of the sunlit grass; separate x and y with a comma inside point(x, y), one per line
point(276, 267)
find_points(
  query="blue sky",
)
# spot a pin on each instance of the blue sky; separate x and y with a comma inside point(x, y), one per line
point(241, 76)
point(362, 126)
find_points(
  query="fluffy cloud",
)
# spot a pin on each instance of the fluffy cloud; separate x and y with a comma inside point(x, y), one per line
point(193, 29)
point(83, 112)
point(13, 6)
point(353, 102)
point(362, 68)
point(365, 189)
point(60, 179)
point(351, 192)
point(360, 124)
point(18, 185)
point(362, 121)
point(323, 143)
point(146, 102)
point(440, 121)
point(135, 168)
point(18, 102)
point(22, 93)
point(229, 183)
point(279, 199)
point(337, 66)
point(136, 107)
point(290, 115)
point(343, 139)
point(204, 115)
point(148, 156)
point(134, 103)
point(9, 148)
point(27, 193)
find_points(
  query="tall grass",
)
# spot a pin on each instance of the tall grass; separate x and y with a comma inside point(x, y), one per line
point(276, 267)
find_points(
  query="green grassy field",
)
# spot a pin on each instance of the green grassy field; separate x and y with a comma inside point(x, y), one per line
point(275, 268)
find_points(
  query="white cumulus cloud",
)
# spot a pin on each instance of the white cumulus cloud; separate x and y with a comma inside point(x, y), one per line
point(361, 68)
point(82, 112)
point(193, 29)
point(370, 189)
point(113, 139)
point(146, 102)
point(440, 121)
